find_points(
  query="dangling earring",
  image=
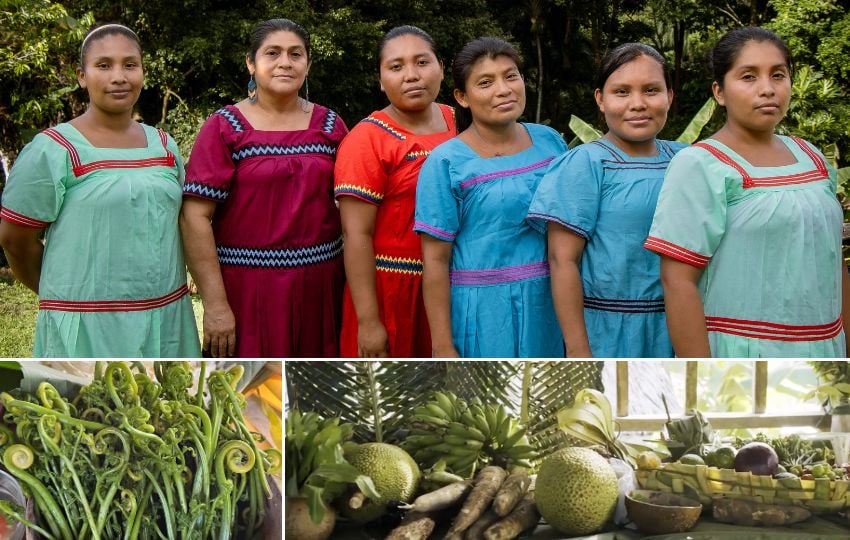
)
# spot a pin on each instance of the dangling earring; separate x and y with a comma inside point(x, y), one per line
point(306, 102)
point(252, 90)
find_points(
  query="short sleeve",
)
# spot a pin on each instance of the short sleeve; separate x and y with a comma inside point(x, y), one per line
point(35, 189)
point(359, 171)
point(690, 218)
point(437, 208)
point(569, 194)
point(210, 171)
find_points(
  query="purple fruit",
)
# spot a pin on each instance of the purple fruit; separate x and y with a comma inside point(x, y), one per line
point(757, 458)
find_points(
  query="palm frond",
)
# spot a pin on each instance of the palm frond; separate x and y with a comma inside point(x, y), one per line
point(379, 397)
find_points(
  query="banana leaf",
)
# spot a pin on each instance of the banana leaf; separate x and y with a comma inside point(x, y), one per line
point(584, 131)
point(694, 128)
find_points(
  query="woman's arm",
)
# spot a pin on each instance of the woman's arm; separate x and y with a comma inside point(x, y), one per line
point(565, 249)
point(24, 251)
point(685, 312)
point(845, 305)
point(358, 228)
point(202, 259)
point(436, 289)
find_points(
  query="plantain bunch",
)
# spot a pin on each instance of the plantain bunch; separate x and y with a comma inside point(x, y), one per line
point(467, 436)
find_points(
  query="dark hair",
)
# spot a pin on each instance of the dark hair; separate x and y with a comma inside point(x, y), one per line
point(624, 54)
point(406, 30)
point(465, 59)
point(725, 53)
point(100, 32)
point(262, 30)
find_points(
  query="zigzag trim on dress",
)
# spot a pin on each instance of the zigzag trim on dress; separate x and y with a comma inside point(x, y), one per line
point(230, 117)
point(280, 258)
point(256, 150)
point(207, 192)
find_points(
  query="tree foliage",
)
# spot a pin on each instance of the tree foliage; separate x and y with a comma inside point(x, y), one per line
point(195, 54)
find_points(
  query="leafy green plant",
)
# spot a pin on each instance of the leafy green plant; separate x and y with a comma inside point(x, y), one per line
point(835, 378)
point(133, 457)
point(591, 420)
point(316, 468)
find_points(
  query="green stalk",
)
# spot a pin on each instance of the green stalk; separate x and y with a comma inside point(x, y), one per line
point(49, 503)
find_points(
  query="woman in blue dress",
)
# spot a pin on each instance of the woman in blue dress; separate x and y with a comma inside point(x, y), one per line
point(485, 275)
point(597, 202)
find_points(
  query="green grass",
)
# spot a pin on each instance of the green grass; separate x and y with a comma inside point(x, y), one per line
point(18, 309)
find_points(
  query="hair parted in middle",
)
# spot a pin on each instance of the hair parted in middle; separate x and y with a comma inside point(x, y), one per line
point(465, 59)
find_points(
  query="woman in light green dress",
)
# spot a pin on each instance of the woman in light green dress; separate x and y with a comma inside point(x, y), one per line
point(748, 224)
point(110, 275)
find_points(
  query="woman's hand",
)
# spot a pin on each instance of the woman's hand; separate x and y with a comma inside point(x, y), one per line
point(372, 340)
point(219, 331)
point(447, 351)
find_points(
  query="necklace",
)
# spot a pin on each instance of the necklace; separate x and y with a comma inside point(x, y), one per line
point(497, 149)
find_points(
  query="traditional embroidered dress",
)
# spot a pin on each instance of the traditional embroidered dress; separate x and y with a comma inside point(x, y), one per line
point(276, 228)
point(608, 198)
point(379, 163)
point(769, 241)
point(501, 300)
point(113, 280)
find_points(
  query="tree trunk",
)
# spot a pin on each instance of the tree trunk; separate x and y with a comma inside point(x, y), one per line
point(539, 75)
point(678, 53)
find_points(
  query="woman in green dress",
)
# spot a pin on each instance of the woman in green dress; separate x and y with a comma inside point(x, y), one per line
point(106, 191)
point(748, 224)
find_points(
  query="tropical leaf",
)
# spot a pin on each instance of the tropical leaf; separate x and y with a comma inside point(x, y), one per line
point(584, 131)
point(379, 397)
point(694, 128)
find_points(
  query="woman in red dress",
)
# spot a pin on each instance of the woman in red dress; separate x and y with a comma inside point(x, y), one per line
point(260, 228)
point(375, 183)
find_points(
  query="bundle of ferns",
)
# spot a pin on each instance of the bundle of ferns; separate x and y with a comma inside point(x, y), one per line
point(138, 458)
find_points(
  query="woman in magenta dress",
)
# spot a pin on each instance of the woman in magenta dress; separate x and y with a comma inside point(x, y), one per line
point(261, 231)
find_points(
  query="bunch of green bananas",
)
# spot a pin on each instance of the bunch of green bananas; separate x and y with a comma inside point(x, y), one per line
point(467, 436)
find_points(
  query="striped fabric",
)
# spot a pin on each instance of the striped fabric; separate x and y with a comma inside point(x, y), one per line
point(280, 258)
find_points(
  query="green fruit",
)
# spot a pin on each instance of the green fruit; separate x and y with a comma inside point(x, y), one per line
point(394, 473)
point(819, 470)
point(724, 457)
point(576, 491)
point(691, 459)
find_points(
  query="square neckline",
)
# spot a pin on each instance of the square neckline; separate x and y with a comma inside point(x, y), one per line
point(663, 152)
point(479, 156)
point(749, 167)
point(446, 111)
point(90, 145)
point(249, 126)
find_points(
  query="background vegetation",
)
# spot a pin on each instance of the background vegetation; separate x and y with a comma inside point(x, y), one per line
point(195, 49)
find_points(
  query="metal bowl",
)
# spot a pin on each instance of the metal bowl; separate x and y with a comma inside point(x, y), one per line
point(656, 512)
point(10, 490)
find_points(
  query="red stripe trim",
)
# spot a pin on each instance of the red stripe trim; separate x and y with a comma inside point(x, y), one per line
point(774, 331)
point(113, 305)
point(819, 173)
point(167, 161)
point(677, 252)
point(20, 219)
point(58, 137)
point(816, 159)
point(163, 136)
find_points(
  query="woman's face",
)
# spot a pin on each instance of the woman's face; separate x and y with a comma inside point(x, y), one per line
point(112, 74)
point(757, 88)
point(410, 73)
point(280, 64)
point(495, 91)
point(635, 101)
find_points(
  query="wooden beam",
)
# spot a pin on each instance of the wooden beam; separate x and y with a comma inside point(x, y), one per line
point(760, 387)
point(730, 421)
point(622, 388)
point(691, 375)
